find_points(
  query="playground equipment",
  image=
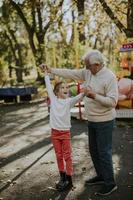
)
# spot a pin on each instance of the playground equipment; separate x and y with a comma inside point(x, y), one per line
point(15, 94)
point(126, 57)
point(125, 83)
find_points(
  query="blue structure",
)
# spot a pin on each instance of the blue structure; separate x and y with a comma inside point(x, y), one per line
point(10, 94)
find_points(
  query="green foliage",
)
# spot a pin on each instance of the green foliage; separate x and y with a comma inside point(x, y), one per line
point(33, 32)
point(73, 90)
point(3, 72)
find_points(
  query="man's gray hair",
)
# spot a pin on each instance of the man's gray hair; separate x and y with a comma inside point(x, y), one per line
point(94, 57)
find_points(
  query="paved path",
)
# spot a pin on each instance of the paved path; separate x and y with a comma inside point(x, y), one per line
point(28, 168)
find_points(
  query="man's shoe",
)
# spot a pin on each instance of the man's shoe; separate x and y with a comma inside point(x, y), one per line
point(94, 181)
point(107, 189)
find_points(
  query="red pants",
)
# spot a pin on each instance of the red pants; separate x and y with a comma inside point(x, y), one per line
point(62, 146)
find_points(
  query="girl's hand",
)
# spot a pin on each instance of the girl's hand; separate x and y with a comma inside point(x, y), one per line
point(43, 67)
point(86, 90)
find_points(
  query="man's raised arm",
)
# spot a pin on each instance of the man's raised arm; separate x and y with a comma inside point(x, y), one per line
point(68, 73)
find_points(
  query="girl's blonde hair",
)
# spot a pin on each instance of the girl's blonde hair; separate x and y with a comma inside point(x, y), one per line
point(57, 87)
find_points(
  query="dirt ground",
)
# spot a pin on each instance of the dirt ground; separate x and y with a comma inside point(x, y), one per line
point(28, 169)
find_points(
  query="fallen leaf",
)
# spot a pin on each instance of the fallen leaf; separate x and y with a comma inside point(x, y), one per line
point(44, 190)
point(52, 162)
point(73, 188)
point(14, 182)
point(51, 188)
point(44, 163)
point(9, 181)
point(83, 169)
point(28, 173)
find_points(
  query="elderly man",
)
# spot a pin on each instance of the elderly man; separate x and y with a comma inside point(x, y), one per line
point(100, 101)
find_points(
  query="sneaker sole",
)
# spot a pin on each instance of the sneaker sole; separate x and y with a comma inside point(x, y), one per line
point(114, 189)
point(65, 189)
point(98, 183)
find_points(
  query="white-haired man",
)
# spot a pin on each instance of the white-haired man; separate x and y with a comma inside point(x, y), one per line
point(100, 101)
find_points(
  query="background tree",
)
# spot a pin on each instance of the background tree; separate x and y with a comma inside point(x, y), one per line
point(124, 5)
point(37, 24)
point(60, 31)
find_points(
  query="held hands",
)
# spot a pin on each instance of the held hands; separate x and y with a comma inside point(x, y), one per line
point(44, 68)
point(89, 92)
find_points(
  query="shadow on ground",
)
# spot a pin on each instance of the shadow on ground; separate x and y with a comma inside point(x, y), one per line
point(43, 189)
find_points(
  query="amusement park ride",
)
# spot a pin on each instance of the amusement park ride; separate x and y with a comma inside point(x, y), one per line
point(125, 83)
point(124, 107)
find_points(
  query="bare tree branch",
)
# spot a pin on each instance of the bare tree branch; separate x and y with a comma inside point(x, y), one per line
point(21, 14)
point(112, 16)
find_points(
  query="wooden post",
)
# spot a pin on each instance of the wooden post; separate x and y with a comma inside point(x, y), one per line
point(79, 104)
point(76, 43)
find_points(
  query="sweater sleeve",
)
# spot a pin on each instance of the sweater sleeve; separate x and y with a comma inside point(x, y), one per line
point(111, 98)
point(76, 99)
point(49, 87)
point(68, 73)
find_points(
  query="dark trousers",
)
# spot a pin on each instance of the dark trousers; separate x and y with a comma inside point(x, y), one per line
point(100, 146)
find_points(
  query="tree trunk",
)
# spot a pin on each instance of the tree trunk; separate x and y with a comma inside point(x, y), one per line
point(110, 13)
point(18, 57)
point(80, 7)
point(130, 19)
point(19, 75)
point(16, 52)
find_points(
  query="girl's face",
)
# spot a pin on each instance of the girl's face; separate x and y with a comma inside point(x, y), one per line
point(63, 91)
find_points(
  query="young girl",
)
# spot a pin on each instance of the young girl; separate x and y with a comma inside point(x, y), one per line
point(60, 129)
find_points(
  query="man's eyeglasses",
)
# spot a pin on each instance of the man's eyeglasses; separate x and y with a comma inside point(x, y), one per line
point(89, 66)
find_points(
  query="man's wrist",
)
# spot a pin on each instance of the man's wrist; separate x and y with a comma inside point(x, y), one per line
point(91, 96)
point(94, 96)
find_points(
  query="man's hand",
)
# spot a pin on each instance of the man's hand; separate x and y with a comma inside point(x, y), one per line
point(89, 93)
point(45, 68)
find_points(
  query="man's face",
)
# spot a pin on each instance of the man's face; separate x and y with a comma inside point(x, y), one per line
point(94, 68)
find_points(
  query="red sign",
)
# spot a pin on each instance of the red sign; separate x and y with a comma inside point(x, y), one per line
point(127, 46)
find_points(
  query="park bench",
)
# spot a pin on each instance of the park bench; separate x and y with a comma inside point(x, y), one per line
point(16, 94)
